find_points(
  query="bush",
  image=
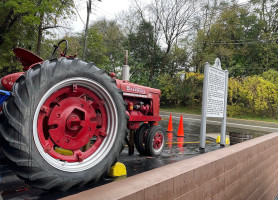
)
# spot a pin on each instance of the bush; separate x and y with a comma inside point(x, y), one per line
point(168, 88)
point(185, 91)
point(247, 96)
point(253, 96)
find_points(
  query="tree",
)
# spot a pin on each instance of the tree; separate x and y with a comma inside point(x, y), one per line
point(14, 16)
point(145, 54)
point(234, 38)
point(171, 19)
point(20, 23)
point(242, 40)
point(178, 59)
point(129, 20)
point(113, 40)
point(44, 14)
point(268, 15)
point(207, 16)
point(52, 15)
point(96, 49)
point(12, 12)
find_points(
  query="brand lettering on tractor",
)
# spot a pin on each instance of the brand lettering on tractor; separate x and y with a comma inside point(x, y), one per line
point(133, 89)
point(135, 95)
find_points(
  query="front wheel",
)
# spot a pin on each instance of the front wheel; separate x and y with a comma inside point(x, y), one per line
point(65, 125)
point(140, 139)
point(155, 140)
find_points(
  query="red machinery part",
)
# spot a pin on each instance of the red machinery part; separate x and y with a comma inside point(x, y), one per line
point(141, 137)
point(143, 103)
point(69, 118)
point(133, 91)
point(26, 57)
point(8, 81)
point(157, 141)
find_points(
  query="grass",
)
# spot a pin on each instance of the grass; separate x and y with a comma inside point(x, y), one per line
point(257, 118)
point(198, 111)
point(188, 110)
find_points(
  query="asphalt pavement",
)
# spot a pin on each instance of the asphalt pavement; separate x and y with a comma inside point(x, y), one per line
point(232, 123)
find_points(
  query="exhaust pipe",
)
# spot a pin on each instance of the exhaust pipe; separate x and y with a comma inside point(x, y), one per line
point(125, 70)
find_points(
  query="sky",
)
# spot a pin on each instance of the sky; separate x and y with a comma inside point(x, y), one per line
point(105, 8)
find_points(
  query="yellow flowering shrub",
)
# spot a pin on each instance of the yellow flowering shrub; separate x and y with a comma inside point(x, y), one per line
point(252, 96)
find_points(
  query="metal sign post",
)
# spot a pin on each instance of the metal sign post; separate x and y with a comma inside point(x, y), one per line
point(223, 124)
point(204, 109)
point(214, 103)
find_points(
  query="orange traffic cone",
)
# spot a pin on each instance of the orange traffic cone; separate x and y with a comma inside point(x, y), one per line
point(170, 125)
point(181, 131)
point(170, 132)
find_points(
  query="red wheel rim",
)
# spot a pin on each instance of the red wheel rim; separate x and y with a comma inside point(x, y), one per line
point(71, 118)
point(157, 141)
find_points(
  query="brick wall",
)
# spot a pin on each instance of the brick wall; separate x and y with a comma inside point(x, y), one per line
point(247, 170)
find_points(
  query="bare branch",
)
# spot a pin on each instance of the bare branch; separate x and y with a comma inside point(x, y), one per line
point(54, 26)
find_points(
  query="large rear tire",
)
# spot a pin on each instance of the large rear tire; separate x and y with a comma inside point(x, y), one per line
point(65, 125)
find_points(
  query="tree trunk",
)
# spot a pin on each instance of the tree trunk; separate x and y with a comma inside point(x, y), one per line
point(6, 26)
point(89, 4)
point(40, 35)
point(165, 57)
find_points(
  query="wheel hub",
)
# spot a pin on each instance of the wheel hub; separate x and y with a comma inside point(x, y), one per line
point(157, 141)
point(72, 123)
point(72, 118)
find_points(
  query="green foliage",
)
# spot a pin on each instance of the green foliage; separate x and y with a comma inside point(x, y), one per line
point(19, 26)
point(177, 58)
point(96, 48)
point(182, 89)
point(271, 75)
point(194, 85)
point(74, 47)
point(145, 54)
point(113, 40)
point(242, 38)
point(247, 96)
point(168, 88)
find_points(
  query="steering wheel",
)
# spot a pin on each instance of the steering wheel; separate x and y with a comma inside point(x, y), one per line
point(62, 53)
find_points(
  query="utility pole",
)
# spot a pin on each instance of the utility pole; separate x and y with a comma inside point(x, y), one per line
point(89, 6)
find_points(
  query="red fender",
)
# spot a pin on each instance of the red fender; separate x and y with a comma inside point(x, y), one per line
point(9, 80)
point(26, 57)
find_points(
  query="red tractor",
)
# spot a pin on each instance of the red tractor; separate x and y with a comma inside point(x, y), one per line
point(64, 122)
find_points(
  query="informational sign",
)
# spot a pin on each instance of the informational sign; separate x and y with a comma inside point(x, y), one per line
point(216, 92)
point(214, 104)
